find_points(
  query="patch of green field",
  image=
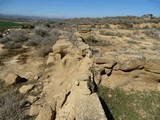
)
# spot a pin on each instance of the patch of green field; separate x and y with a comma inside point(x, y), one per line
point(8, 24)
point(130, 106)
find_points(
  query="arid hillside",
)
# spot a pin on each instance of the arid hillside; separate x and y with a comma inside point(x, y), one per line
point(81, 69)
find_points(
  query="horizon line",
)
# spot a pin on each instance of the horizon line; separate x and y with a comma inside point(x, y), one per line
point(49, 17)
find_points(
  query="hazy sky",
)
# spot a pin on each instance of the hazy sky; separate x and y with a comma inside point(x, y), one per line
point(80, 8)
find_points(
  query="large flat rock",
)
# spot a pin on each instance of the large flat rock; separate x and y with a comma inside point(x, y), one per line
point(89, 108)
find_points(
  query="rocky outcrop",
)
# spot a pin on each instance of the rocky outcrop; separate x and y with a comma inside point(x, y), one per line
point(53, 57)
point(89, 108)
point(85, 31)
point(128, 62)
point(70, 94)
point(153, 64)
point(129, 71)
point(106, 62)
point(84, 28)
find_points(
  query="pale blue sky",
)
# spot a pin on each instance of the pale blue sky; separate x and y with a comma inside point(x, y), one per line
point(80, 8)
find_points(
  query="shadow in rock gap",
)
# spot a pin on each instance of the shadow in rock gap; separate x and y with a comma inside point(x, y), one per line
point(106, 110)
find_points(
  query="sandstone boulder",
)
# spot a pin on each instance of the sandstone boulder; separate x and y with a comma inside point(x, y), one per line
point(53, 58)
point(130, 62)
point(25, 88)
point(118, 79)
point(82, 46)
point(61, 46)
point(141, 75)
point(85, 31)
point(89, 108)
point(32, 99)
point(104, 79)
point(36, 77)
point(158, 87)
point(105, 62)
point(34, 109)
point(84, 28)
point(153, 64)
point(13, 79)
point(84, 88)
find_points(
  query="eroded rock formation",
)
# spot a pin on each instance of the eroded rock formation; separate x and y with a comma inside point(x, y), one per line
point(70, 93)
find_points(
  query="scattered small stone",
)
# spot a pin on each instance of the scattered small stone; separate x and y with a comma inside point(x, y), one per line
point(34, 110)
point(32, 99)
point(36, 77)
point(109, 95)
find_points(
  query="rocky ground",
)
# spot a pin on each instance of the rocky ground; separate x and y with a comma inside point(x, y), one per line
point(64, 85)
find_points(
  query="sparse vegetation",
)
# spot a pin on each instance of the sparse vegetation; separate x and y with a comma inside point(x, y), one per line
point(111, 33)
point(10, 106)
point(93, 70)
point(93, 42)
point(44, 66)
point(12, 45)
point(43, 39)
point(41, 31)
point(131, 105)
point(15, 40)
point(44, 51)
point(152, 33)
point(132, 42)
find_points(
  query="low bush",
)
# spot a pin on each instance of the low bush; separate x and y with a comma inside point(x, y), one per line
point(19, 36)
point(5, 39)
point(41, 31)
point(14, 40)
point(43, 39)
point(35, 40)
point(27, 26)
point(10, 106)
point(44, 51)
point(132, 42)
point(110, 33)
point(155, 34)
point(12, 45)
point(93, 42)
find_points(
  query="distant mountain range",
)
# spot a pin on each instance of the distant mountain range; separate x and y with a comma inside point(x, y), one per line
point(23, 17)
